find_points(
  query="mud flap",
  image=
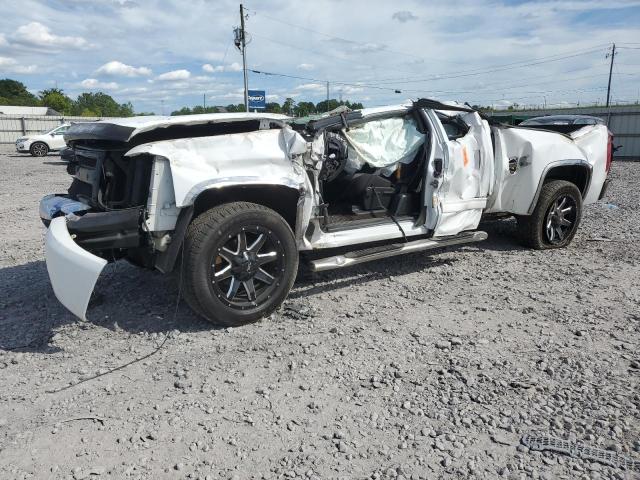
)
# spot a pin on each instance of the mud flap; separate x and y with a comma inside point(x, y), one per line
point(73, 271)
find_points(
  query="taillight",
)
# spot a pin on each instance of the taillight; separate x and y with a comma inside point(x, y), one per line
point(609, 152)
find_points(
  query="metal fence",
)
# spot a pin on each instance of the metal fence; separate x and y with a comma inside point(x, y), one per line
point(13, 126)
point(623, 121)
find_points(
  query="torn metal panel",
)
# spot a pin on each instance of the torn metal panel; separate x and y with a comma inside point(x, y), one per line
point(162, 212)
point(124, 129)
point(73, 271)
point(263, 157)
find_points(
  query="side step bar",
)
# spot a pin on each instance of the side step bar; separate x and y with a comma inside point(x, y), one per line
point(375, 253)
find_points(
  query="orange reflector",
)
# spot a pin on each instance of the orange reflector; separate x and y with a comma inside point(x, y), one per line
point(465, 156)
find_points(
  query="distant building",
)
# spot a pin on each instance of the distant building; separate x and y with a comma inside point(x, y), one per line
point(26, 111)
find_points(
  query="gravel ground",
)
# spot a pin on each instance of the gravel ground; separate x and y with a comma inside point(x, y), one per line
point(427, 366)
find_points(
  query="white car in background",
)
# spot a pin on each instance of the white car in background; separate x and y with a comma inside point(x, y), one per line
point(42, 143)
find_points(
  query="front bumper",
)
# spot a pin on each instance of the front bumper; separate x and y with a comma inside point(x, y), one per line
point(73, 271)
point(22, 146)
point(74, 229)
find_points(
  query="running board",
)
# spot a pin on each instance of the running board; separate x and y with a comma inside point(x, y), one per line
point(375, 253)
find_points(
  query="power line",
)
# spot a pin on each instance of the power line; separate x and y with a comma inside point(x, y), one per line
point(346, 40)
point(508, 87)
point(285, 75)
point(377, 84)
point(469, 73)
point(432, 92)
point(381, 85)
point(316, 52)
point(463, 73)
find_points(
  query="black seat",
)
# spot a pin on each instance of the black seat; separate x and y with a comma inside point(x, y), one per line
point(352, 189)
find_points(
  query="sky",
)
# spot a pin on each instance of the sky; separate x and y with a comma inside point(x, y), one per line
point(165, 54)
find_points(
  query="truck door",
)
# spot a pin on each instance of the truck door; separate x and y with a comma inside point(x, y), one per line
point(462, 170)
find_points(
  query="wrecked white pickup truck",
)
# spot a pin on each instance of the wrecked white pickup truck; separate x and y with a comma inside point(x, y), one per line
point(235, 199)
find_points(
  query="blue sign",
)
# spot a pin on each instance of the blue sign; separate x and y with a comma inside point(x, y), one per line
point(257, 99)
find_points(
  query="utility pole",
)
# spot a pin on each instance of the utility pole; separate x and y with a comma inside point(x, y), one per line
point(204, 101)
point(243, 41)
point(327, 95)
point(612, 55)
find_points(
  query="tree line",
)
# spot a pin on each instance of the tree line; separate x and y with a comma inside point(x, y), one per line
point(98, 104)
point(288, 107)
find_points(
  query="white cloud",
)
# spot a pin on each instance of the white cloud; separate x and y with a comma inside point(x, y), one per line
point(312, 87)
point(207, 67)
point(93, 84)
point(175, 75)
point(367, 47)
point(126, 3)
point(393, 50)
point(234, 67)
point(12, 65)
point(37, 35)
point(348, 89)
point(115, 68)
point(214, 56)
point(25, 69)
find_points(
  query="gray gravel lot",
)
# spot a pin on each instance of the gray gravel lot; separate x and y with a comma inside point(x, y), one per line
point(427, 366)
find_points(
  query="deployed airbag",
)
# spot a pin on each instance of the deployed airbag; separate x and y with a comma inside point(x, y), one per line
point(383, 144)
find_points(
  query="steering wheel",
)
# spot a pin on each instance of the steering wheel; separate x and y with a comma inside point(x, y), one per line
point(336, 153)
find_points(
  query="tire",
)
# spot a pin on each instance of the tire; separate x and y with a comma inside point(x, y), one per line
point(240, 262)
point(555, 219)
point(39, 149)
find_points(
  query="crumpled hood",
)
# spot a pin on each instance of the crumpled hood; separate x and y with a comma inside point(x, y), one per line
point(124, 129)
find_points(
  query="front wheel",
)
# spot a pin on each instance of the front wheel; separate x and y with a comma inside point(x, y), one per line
point(555, 219)
point(39, 149)
point(240, 262)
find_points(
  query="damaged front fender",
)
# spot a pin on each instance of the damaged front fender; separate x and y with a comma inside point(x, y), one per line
point(258, 157)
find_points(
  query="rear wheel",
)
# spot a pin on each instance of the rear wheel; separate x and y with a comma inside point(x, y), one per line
point(555, 219)
point(240, 263)
point(39, 149)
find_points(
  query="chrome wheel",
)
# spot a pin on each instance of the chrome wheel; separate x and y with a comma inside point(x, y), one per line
point(561, 219)
point(247, 268)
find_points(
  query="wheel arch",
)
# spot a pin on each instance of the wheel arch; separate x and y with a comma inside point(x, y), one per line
point(578, 172)
point(280, 198)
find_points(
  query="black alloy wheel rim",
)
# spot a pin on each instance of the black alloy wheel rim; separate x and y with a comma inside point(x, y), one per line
point(561, 219)
point(247, 267)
